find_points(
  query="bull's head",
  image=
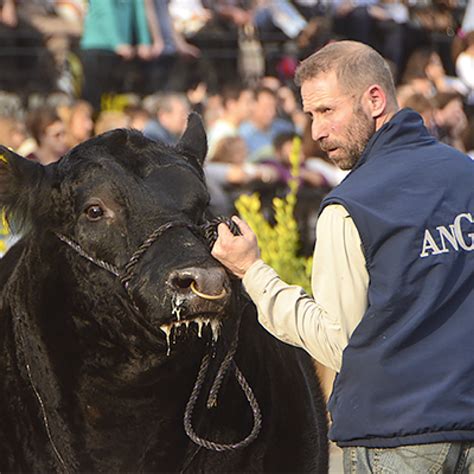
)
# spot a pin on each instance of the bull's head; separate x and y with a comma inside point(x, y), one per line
point(107, 196)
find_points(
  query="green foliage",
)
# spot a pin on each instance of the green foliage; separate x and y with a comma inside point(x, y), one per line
point(279, 244)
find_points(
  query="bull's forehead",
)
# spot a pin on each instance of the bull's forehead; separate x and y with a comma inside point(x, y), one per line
point(159, 177)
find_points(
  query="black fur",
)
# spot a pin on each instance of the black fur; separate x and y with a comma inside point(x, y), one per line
point(79, 363)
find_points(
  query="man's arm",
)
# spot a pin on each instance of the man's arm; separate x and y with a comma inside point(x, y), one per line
point(321, 325)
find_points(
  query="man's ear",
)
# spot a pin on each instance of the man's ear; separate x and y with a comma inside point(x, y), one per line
point(376, 100)
point(193, 142)
point(20, 180)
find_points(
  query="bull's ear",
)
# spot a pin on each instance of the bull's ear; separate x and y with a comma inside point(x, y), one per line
point(19, 182)
point(193, 142)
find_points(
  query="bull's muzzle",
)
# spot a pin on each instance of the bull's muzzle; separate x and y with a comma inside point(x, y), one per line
point(192, 283)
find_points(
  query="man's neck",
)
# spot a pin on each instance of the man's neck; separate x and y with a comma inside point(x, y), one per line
point(385, 117)
point(260, 127)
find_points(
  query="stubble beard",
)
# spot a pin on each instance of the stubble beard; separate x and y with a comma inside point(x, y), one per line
point(353, 144)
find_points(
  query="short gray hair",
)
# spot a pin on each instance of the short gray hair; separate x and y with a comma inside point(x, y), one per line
point(356, 65)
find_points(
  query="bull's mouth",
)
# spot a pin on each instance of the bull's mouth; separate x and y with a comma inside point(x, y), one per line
point(195, 310)
point(193, 323)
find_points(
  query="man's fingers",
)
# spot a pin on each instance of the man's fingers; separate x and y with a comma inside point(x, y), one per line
point(243, 226)
point(224, 232)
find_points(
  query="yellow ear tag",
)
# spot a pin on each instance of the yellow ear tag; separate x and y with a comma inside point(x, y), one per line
point(3, 158)
point(5, 229)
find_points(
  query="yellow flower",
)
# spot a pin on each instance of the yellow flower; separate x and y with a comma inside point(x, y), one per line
point(279, 244)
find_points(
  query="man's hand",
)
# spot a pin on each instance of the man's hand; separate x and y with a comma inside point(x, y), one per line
point(237, 253)
point(8, 14)
point(126, 51)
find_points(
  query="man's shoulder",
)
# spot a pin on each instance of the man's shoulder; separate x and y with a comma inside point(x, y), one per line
point(335, 210)
point(280, 125)
point(247, 128)
point(154, 130)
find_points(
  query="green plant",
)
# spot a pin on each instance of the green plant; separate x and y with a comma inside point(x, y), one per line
point(279, 244)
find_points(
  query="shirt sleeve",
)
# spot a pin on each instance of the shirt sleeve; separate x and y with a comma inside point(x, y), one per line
point(323, 324)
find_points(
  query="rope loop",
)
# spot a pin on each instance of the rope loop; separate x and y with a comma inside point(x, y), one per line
point(188, 414)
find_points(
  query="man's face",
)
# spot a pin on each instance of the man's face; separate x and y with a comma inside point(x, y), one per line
point(453, 114)
point(54, 139)
point(81, 125)
point(264, 110)
point(340, 124)
point(244, 105)
point(175, 119)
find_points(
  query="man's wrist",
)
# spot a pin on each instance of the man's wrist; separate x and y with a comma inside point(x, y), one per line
point(253, 265)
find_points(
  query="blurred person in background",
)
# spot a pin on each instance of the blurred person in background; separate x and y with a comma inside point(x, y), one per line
point(168, 43)
point(465, 66)
point(12, 131)
point(237, 105)
point(468, 138)
point(78, 121)
point(49, 131)
point(266, 16)
point(282, 166)
point(229, 173)
point(443, 116)
point(352, 19)
point(426, 75)
point(115, 31)
point(169, 119)
point(110, 120)
point(287, 106)
point(263, 125)
point(26, 63)
point(450, 119)
point(213, 109)
point(138, 117)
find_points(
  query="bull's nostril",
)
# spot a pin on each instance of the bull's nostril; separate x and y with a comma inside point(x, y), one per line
point(206, 283)
point(182, 283)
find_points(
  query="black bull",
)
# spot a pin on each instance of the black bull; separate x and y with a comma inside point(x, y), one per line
point(99, 356)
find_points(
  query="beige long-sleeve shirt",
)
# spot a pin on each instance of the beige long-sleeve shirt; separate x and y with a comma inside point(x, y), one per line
point(321, 324)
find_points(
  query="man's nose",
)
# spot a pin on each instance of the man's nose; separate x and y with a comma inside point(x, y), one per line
point(318, 131)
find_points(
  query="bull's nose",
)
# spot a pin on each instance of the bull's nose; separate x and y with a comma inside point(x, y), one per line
point(204, 282)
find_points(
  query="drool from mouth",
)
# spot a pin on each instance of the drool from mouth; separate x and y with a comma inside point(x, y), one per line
point(201, 322)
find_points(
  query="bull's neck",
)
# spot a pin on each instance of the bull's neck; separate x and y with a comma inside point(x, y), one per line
point(131, 414)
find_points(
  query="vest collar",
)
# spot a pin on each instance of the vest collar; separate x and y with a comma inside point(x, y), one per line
point(406, 126)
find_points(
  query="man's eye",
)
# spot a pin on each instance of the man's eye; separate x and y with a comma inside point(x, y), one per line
point(94, 212)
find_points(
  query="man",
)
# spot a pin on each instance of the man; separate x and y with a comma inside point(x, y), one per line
point(49, 132)
point(237, 102)
point(171, 116)
point(393, 274)
point(263, 125)
point(451, 120)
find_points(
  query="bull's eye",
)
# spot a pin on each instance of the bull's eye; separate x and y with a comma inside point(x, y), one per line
point(94, 212)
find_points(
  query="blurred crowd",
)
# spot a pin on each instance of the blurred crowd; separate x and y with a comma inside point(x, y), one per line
point(71, 69)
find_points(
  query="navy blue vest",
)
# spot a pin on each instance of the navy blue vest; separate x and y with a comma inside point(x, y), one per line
point(407, 375)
